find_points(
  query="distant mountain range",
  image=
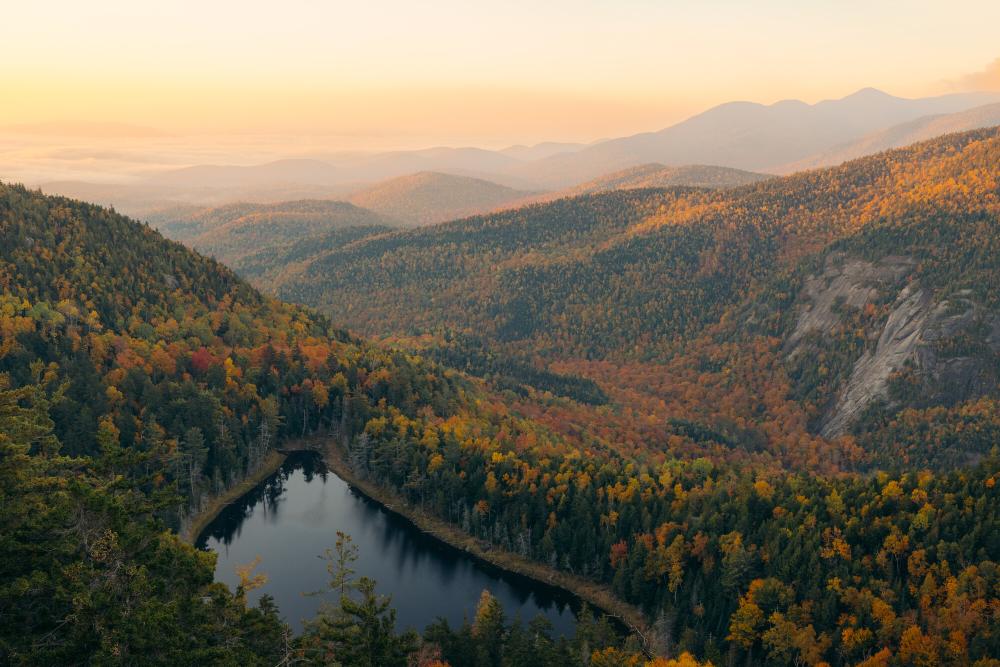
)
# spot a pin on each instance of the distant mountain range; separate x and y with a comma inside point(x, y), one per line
point(745, 135)
point(740, 135)
point(542, 150)
point(302, 172)
point(436, 184)
point(904, 134)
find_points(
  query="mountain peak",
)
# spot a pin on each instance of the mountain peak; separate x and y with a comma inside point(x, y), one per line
point(870, 94)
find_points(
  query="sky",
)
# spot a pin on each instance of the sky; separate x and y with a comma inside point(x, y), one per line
point(388, 73)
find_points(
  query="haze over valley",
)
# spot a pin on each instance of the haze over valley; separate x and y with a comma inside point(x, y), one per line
point(140, 177)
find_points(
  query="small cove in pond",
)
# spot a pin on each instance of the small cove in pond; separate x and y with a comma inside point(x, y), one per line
point(293, 516)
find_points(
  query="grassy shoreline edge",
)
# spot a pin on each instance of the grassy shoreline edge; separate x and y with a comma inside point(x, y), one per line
point(214, 507)
point(594, 594)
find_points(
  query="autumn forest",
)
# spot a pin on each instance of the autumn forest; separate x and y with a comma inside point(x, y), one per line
point(726, 393)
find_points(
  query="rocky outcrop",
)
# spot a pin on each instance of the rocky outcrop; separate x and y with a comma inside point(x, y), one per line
point(948, 378)
point(844, 283)
point(916, 336)
point(897, 345)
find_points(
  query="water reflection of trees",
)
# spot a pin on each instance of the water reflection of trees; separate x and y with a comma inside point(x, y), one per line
point(413, 550)
point(396, 551)
point(226, 527)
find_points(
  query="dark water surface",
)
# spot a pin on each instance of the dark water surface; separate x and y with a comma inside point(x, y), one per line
point(293, 516)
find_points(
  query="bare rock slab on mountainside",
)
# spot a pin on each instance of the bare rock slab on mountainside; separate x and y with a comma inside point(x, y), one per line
point(897, 345)
point(919, 336)
point(845, 282)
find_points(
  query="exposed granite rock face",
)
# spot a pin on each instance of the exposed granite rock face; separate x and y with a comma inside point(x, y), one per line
point(949, 379)
point(917, 329)
point(845, 282)
point(897, 345)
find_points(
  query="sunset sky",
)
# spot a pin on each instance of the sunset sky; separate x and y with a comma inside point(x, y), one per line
point(409, 73)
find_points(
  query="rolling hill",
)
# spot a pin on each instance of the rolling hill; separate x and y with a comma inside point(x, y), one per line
point(645, 274)
point(655, 176)
point(430, 197)
point(234, 231)
point(659, 176)
point(269, 242)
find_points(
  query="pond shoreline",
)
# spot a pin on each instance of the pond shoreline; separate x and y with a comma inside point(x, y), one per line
point(598, 596)
point(199, 521)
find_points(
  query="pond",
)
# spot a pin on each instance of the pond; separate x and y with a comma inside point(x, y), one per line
point(293, 516)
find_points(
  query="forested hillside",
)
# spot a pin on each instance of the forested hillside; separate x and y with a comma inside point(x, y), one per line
point(163, 348)
point(659, 282)
point(694, 480)
point(796, 459)
point(500, 334)
point(136, 380)
point(655, 175)
point(636, 268)
point(233, 232)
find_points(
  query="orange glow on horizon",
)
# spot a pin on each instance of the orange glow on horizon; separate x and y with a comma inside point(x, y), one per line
point(449, 72)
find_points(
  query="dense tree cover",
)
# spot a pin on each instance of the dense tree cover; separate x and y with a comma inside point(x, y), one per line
point(628, 273)
point(265, 264)
point(655, 175)
point(506, 371)
point(428, 197)
point(704, 493)
point(139, 378)
point(701, 492)
point(90, 575)
point(692, 296)
point(685, 300)
point(733, 562)
point(170, 354)
point(276, 220)
point(136, 379)
point(447, 271)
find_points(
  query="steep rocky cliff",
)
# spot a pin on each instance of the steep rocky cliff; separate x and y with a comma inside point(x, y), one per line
point(927, 348)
